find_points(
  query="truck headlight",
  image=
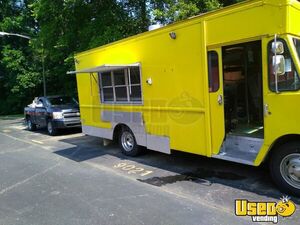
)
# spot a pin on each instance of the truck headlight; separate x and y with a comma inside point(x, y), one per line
point(57, 115)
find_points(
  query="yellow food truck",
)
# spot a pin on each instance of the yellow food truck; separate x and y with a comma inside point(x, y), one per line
point(224, 84)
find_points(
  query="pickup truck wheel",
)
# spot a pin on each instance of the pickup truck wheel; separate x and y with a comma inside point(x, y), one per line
point(51, 129)
point(285, 167)
point(128, 143)
point(30, 126)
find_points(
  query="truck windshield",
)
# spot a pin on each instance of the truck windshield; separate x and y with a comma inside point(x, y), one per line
point(297, 45)
point(62, 101)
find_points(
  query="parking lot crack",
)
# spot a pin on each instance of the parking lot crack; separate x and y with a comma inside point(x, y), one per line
point(15, 151)
point(121, 198)
point(5, 190)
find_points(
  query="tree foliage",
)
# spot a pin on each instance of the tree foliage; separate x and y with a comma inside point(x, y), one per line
point(19, 77)
point(181, 9)
point(60, 28)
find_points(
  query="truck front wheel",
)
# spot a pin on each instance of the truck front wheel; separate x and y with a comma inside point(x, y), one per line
point(127, 143)
point(30, 126)
point(50, 128)
point(285, 167)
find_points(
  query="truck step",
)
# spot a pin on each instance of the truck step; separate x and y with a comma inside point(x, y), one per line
point(240, 149)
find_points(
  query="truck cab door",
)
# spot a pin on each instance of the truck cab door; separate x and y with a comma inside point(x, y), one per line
point(216, 99)
point(281, 106)
point(41, 113)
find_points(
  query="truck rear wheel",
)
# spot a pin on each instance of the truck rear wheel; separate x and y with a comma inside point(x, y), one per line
point(30, 125)
point(128, 144)
point(50, 128)
point(285, 167)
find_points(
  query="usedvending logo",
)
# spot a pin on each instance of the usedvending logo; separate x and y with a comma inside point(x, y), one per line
point(265, 211)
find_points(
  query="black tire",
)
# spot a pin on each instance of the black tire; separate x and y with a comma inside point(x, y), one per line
point(51, 128)
point(30, 125)
point(285, 167)
point(128, 144)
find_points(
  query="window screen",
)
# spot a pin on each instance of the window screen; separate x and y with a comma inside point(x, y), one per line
point(135, 75)
point(121, 86)
point(213, 71)
point(106, 79)
point(119, 77)
point(135, 93)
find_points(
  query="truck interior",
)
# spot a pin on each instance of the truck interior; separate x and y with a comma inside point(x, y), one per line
point(243, 99)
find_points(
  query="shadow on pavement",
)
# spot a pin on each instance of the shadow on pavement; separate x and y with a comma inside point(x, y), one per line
point(67, 131)
point(188, 167)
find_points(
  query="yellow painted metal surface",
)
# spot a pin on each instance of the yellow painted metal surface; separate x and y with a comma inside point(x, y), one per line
point(178, 103)
point(174, 102)
point(293, 25)
point(217, 119)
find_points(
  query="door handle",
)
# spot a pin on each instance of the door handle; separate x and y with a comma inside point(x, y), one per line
point(220, 99)
point(266, 110)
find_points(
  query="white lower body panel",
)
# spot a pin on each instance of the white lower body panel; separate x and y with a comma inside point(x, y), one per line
point(152, 142)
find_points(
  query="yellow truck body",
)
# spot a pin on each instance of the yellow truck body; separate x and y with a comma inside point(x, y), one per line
point(177, 108)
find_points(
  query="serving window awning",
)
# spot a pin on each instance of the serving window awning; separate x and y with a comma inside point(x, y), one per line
point(103, 68)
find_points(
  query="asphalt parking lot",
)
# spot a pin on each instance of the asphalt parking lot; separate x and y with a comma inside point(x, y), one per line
point(74, 179)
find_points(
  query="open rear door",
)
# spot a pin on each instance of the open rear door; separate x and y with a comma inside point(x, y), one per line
point(216, 99)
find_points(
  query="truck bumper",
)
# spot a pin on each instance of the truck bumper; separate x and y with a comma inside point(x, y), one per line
point(66, 123)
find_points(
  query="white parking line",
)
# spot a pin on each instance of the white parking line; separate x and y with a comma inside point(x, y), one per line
point(39, 142)
point(25, 141)
point(18, 127)
point(28, 179)
point(14, 151)
point(6, 131)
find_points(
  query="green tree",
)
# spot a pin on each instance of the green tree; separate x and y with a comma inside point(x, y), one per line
point(168, 11)
point(60, 28)
point(71, 26)
point(138, 11)
point(175, 10)
point(18, 65)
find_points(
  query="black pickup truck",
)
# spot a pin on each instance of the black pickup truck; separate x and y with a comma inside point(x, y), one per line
point(54, 113)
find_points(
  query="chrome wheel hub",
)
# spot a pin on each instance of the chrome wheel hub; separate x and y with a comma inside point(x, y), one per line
point(29, 124)
point(49, 127)
point(290, 169)
point(127, 141)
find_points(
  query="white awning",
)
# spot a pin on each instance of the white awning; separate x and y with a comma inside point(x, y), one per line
point(103, 68)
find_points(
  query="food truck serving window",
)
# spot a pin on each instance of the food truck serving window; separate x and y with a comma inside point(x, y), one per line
point(121, 85)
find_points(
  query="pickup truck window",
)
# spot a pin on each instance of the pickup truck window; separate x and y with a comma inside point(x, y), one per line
point(40, 103)
point(62, 101)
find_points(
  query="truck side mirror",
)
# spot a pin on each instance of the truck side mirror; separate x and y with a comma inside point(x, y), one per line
point(279, 65)
point(277, 47)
